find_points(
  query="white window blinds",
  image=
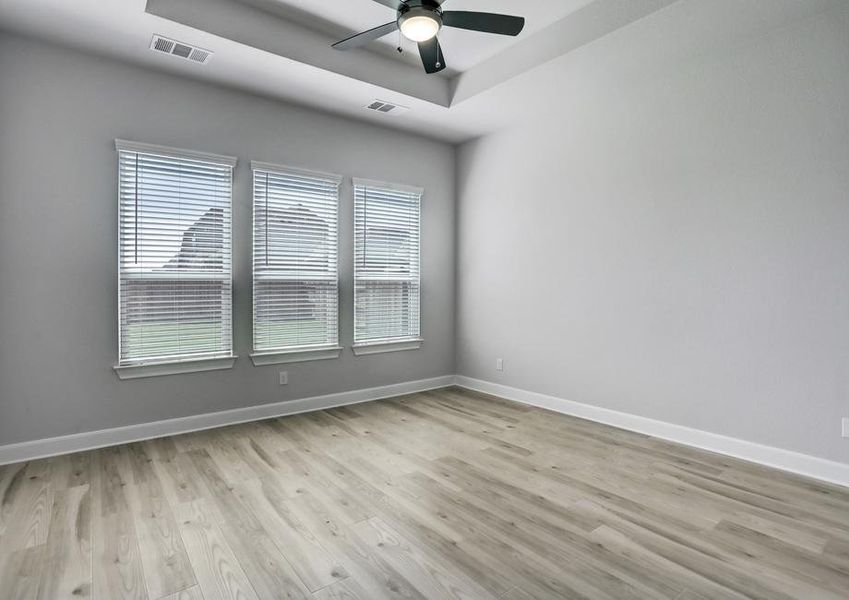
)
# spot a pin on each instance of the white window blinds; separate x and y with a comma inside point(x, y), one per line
point(295, 260)
point(386, 262)
point(175, 286)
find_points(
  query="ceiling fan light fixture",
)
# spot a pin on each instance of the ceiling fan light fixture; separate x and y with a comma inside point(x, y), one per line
point(419, 26)
point(421, 21)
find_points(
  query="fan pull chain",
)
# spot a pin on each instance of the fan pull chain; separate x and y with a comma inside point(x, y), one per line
point(438, 53)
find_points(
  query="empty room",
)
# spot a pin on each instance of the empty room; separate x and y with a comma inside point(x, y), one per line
point(424, 299)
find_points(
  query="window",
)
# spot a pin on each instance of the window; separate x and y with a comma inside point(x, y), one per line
point(174, 268)
point(386, 267)
point(295, 265)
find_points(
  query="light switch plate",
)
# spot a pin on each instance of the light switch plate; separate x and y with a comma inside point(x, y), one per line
point(846, 427)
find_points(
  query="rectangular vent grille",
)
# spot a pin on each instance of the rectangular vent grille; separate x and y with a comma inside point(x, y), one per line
point(386, 107)
point(179, 49)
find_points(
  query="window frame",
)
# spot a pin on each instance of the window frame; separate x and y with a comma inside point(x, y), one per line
point(195, 363)
point(294, 354)
point(400, 344)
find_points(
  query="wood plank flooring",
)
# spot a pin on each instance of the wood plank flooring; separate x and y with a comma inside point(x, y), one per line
point(441, 495)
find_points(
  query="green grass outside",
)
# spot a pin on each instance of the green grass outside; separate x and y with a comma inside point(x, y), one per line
point(169, 338)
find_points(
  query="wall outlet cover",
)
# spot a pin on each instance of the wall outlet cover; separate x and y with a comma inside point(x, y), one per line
point(284, 377)
point(499, 364)
point(846, 427)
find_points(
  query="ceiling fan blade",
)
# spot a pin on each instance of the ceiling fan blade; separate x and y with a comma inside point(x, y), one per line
point(361, 39)
point(393, 4)
point(432, 57)
point(486, 22)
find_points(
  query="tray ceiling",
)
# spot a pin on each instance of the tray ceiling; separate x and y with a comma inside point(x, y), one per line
point(281, 49)
point(463, 49)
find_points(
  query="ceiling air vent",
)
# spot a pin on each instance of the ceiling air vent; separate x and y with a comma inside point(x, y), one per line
point(387, 107)
point(179, 49)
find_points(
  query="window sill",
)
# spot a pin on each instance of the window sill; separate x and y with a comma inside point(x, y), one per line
point(292, 356)
point(173, 368)
point(381, 347)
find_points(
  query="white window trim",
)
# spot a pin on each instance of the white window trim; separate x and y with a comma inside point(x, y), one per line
point(141, 147)
point(390, 346)
point(400, 344)
point(295, 355)
point(399, 187)
point(173, 368)
point(157, 369)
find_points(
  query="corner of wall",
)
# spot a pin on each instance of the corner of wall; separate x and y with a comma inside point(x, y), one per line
point(456, 241)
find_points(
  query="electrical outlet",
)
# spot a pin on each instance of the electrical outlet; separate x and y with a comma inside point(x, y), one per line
point(846, 427)
point(499, 364)
point(284, 377)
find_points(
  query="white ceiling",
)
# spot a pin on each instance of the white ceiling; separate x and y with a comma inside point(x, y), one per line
point(599, 47)
point(463, 49)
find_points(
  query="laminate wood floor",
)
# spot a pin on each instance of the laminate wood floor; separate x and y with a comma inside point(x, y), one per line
point(441, 495)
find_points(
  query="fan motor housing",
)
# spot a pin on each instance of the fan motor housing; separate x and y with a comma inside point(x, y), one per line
point(419, 8)
point(411, 4)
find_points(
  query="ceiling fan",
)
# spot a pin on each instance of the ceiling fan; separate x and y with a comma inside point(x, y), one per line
point(421, 20)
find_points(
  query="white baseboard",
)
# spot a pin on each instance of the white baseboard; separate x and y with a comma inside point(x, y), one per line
point(90, 440)
point(787, 460)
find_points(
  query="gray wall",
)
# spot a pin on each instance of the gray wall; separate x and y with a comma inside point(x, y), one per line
point(677, 245)
point(59, 113)
point(673, 240)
